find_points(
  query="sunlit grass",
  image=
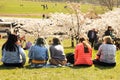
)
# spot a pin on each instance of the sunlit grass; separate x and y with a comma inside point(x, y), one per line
point(64, 73)
point(34, 9)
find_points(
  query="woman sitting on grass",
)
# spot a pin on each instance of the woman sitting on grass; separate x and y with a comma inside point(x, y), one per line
point(11, 52)
point(106, 53)
point(58, 57)
point(83, 53)
point(38, 54)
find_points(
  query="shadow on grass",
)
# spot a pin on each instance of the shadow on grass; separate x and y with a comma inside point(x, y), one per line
point(104, 67)
point(10, 68)
point(80, 67)
point(6, 68)
point(73, 67)
point(29, 67)
point(96, 66)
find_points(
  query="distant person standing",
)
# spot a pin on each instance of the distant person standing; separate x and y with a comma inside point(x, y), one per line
point(43, 16)
point(46, 6)
point(43, 6)
point(92, 35)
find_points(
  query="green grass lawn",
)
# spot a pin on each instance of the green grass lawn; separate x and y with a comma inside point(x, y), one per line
point(34, 9)
point(63, 73)
point(28, 7)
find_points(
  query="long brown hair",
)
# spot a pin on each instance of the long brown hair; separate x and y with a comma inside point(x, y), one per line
point(85, 43)
point(10, 44)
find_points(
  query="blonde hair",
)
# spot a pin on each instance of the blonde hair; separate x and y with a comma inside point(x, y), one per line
point(108, 40)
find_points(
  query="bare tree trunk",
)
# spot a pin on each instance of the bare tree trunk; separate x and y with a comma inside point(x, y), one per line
point(117, 3)
point(72, 41)
point(108, 3)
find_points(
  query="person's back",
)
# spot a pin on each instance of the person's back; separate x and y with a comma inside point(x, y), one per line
point(82, 58)
point(57, 53)
point(108, 53)
point(38, 54)
point(83, 53)
point(12, 54)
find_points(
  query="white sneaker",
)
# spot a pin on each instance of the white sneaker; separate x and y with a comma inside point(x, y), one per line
point(39, 65)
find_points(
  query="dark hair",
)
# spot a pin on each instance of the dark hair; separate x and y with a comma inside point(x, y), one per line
point(40, 42)
point(56, 41)
point(83, 40)
point(109, 27)
point(10, 44)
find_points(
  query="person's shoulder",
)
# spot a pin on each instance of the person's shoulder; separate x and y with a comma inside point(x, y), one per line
point(114, 45)
point(106, 31)
point(51, 46)
point(58, 45)
point(79, 45)
point(108, 45)
point(102, 45)
point(18, 46)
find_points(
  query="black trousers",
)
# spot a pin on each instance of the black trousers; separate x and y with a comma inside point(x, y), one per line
point(92, 42)
point(70, 58)
point(97, 62)
point(13, 64)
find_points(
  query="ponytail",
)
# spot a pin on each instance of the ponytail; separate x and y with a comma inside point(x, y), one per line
point(86, 47)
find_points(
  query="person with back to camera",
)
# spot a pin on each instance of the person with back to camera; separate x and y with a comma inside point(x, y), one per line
point(83, 53)
point(106, 53)
point(38, 54)
point(13, 54)
point(57, 54)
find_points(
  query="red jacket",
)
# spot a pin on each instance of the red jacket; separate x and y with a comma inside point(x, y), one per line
point(81, 57)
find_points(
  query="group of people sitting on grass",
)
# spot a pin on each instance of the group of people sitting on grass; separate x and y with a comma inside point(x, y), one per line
point(13, 54)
